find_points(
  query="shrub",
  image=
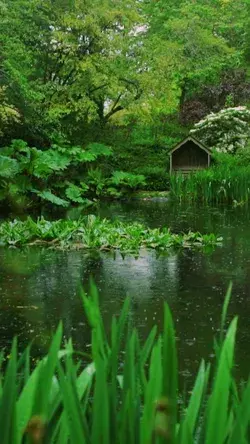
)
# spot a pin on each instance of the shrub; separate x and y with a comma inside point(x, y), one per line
point(226, 131)
point(156, 178)
point(122, 179)
point(61, 175)
point(243, 155)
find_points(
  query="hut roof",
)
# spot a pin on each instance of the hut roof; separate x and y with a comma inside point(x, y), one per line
point(191, 139)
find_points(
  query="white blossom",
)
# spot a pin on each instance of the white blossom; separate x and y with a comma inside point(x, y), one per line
point(226, 131)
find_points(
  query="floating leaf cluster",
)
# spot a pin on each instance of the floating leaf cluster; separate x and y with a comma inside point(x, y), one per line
point(91, 232)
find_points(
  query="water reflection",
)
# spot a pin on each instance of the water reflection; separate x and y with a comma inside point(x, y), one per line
point(38, 287)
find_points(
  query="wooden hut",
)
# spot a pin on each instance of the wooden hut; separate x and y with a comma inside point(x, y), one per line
point(189, 155)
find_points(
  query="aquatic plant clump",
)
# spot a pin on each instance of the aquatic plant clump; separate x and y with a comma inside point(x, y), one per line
point(219, 184)
point(126, 393)
point(93, 232)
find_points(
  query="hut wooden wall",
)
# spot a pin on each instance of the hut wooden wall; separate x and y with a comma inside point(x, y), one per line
point(189, 157)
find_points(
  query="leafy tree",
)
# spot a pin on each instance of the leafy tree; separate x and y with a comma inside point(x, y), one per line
point(127, 74)
point(194, 42)
point(67, 64)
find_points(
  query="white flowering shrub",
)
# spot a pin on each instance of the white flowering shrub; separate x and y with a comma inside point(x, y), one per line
point(225, 131)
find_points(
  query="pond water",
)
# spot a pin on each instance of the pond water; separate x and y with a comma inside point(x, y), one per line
point(38, 286)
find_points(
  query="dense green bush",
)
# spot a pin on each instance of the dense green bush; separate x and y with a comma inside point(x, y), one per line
point(127, 393)
point(240, 158)
point(61, 175)
point(243, 155)
point(156, 178)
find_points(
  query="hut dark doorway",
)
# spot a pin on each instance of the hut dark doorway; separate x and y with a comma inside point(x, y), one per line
point(189, 155)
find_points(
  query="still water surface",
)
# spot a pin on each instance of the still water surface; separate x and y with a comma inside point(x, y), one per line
point(38, 286)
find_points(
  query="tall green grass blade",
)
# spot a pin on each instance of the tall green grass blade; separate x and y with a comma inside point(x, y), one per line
point(145, 353)
point(117, 335)
point(153, 393)
point(218, 403)
point(45, 376)
point(147, 347)
point(72, 406)
point(58, 418)
point(130, 398)
point(225, 310)
point(26, 399)
point(92, 311)
point(100, 417)
point(242, 422)
point(8, 430)
point(103, 404)
point(24, 363)
point(170, 371)
point(194, 406)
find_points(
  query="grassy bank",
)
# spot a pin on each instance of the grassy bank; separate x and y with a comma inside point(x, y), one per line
point(219, 184)
point(128, 393)
point(96, 233)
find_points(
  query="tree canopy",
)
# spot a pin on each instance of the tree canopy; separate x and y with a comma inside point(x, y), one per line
point(70, 69)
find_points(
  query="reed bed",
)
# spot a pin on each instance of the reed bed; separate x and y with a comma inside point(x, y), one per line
point(128, 393)
point(219, 184)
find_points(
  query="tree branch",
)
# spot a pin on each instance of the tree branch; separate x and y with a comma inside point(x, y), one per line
point(114, 108)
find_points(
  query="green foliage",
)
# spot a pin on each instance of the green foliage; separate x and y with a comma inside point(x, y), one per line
point(243, 155)
point(60, 401)
point(156, 178)
point(79, 60)
point(96, 180)
point(94, 65)
point(8, 167)
point(9, 116)
point(97, 85)
point(60, 175)
point(74, 193)
point(190, 44)
point(122, 179)
point(48, 162)
point(92, 232)
point(98, 149)
point(50, 197)
point(227, 182)
point(150, 161)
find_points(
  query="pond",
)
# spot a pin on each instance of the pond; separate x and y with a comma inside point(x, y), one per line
point(38, 286)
